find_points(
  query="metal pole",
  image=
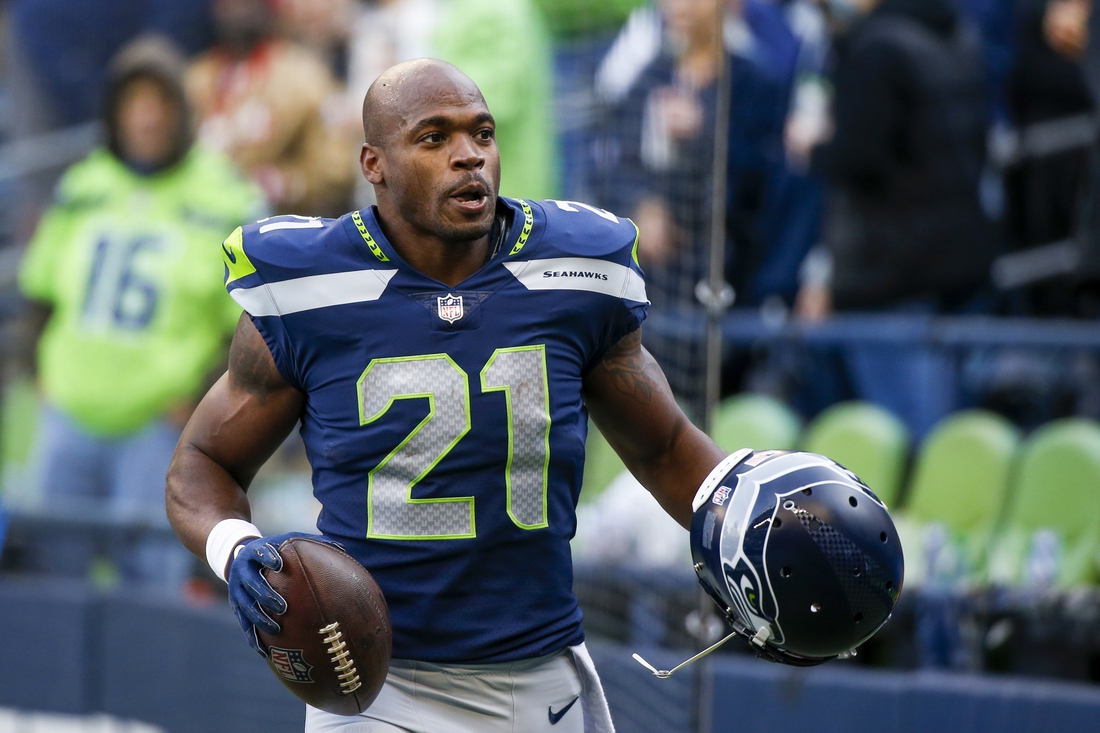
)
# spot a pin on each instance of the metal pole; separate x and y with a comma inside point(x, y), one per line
point(715, 293)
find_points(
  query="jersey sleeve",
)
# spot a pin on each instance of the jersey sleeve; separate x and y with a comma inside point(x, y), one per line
point(587, 249)
point(633, 305)
point(244, 202)
point(250, 289)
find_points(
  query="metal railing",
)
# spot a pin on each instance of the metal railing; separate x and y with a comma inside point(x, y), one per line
point(48, 151)
point(745, 327)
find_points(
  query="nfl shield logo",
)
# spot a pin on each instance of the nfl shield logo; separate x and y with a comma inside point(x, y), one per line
point(290, 664)
point(450, 307)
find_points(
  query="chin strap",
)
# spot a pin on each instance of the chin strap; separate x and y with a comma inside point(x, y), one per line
point(757, 641)
point(664, 674)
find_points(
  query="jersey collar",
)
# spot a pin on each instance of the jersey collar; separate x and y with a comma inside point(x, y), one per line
point(366, 233)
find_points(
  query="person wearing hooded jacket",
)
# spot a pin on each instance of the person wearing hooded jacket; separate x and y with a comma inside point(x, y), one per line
point(904, 225)
point(911, 115)
point(120, 273)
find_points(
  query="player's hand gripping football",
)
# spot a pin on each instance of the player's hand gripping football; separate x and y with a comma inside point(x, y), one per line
point(252, 597)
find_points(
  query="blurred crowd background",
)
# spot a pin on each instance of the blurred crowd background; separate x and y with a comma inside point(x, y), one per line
point(902, 198)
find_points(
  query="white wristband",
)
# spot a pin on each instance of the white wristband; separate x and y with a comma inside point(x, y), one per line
point(222, 540)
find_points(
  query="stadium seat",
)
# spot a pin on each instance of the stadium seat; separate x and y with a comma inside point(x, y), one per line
point(601, 464)
point(956, 496)
point(755, 421)
point(1051, 533)
point(867, 440)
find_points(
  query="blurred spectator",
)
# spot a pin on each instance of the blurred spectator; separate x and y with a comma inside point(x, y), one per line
point(655, 161)
point(386, 33)
point(905, 227)
point(57, 52)
point(276, 109)
point(1047, 84)
point(996, 23)
point(790, 40)
point(325, 26)
point(503, 45)
point(66, 45)
point(125, 275)
point(625, 525)
point(1089, 222)
point(906, 161)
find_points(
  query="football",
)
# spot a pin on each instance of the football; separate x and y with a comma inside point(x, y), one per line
point(333, 651)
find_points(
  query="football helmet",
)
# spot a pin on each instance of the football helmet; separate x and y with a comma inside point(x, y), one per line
point(802, 557)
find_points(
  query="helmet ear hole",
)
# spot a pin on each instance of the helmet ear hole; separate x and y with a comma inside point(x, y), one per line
point(785, 572)
point(852, 501)
point(858, 617)
point(777, 523)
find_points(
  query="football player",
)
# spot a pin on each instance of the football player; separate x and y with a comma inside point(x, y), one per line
point(442, 352)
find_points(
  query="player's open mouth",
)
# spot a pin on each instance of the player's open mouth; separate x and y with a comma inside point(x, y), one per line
point(471, 198)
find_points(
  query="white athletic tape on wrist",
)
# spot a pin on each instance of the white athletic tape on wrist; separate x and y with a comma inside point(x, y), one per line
point(223, 539)
point(710, 483)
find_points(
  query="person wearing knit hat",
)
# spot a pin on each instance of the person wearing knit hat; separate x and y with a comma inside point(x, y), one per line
point(135, 321)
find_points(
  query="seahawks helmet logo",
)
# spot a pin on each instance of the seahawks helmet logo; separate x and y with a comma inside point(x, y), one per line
point(757, 497)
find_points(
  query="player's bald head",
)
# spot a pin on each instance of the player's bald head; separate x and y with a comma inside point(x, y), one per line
point(405, 91)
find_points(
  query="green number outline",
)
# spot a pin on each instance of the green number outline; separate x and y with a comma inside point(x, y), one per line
point(507, 390)
point(364, 420)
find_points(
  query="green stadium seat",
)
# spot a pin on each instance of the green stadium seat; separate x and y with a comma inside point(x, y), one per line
point(755, 421)
point(956, 496)
point(1051, 532)
point(601, 464)
point(865, 439)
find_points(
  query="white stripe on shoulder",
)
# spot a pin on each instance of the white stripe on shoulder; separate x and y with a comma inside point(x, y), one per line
point(580, 273)
point(312, 292)
point(277, 225)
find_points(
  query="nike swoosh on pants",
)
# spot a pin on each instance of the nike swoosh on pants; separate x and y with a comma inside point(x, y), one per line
point(555, 717)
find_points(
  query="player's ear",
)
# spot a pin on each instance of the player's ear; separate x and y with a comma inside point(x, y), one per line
point(371, 162)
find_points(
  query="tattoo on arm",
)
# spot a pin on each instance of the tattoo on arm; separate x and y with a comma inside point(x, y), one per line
point(632, 370)
point(251, 367)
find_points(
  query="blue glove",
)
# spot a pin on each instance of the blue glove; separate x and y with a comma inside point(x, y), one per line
point(252, 597)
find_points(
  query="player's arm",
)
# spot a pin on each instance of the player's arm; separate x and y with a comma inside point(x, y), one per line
point(631, 403)
point(240, 422)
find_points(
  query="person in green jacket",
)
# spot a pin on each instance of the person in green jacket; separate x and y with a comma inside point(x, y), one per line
point(504, 46)
point(123, 272)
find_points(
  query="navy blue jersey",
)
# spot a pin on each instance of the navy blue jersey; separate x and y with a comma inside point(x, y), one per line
point(445, 425)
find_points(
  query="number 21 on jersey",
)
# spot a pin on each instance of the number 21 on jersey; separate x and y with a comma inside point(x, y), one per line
point(520, 373)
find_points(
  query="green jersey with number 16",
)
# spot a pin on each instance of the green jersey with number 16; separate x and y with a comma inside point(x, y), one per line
point(128, 264)
point(445, 425)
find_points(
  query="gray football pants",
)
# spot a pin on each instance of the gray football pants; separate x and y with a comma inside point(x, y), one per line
point(540, 695)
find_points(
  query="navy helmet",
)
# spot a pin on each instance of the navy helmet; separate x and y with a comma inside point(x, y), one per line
point(801, 556)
